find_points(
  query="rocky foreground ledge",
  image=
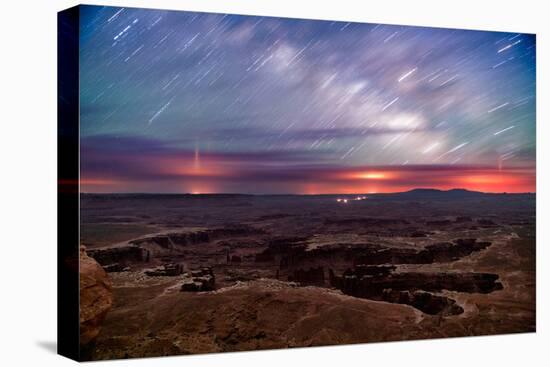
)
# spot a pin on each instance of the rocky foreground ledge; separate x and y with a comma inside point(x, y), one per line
point(96, 299)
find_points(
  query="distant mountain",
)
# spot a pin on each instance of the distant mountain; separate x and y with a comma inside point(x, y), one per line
point(444, 192)
point(437, 194)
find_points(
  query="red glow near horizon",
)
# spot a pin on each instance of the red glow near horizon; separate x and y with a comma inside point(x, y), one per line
point(214, 176)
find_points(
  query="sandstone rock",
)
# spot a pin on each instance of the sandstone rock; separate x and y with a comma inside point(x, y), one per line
point(202, 280)
point(96, 297)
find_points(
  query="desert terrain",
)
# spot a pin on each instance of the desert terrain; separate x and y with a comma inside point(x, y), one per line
point(215, 273)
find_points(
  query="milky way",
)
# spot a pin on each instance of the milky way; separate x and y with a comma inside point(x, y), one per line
point(177, 101)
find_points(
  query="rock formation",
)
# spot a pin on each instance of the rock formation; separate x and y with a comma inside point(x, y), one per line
point(121, 255)
point(382, 283)
point(439, 252)
point(173, 240)
point(199, 281)
point(424, 301)
point(293, 252)
point(166, 270)
point(96, 297)
point(355, 282)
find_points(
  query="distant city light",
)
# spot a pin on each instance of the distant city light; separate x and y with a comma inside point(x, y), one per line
point(358, 198)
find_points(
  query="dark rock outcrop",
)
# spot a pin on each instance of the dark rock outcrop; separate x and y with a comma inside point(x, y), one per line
point(199, 281)
point(294, 253)
point(368, 286)
point(281, 246)
point(312, 276)
point(264, 257)
point(486, 223)
point(418, 233)
point(424, 301)
point(447, 252)
point(371, 270)
point(166, 270)
point(383, 284)
point(122, 255)
point(439, 252)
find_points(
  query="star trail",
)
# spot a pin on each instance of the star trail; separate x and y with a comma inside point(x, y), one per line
point(175, 101)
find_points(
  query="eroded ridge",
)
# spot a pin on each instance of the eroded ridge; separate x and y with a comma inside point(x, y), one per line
point(383, 283)
point(367, 270)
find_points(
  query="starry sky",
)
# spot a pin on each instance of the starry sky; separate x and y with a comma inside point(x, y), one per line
point(186, 102)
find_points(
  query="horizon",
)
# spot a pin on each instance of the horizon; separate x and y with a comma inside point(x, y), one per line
point(176, 101)
point(323, 194)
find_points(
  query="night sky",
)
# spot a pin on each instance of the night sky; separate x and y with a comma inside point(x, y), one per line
point(183, 102)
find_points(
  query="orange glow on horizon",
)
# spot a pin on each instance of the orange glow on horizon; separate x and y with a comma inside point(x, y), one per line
point(370, 175)
point(374, 176)
point(498, 182)
point(197, 188)
point(211, 176)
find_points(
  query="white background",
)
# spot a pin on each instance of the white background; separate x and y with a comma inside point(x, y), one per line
point(28, 182)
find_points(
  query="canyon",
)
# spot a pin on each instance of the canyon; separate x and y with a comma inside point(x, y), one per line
point(211, 273)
